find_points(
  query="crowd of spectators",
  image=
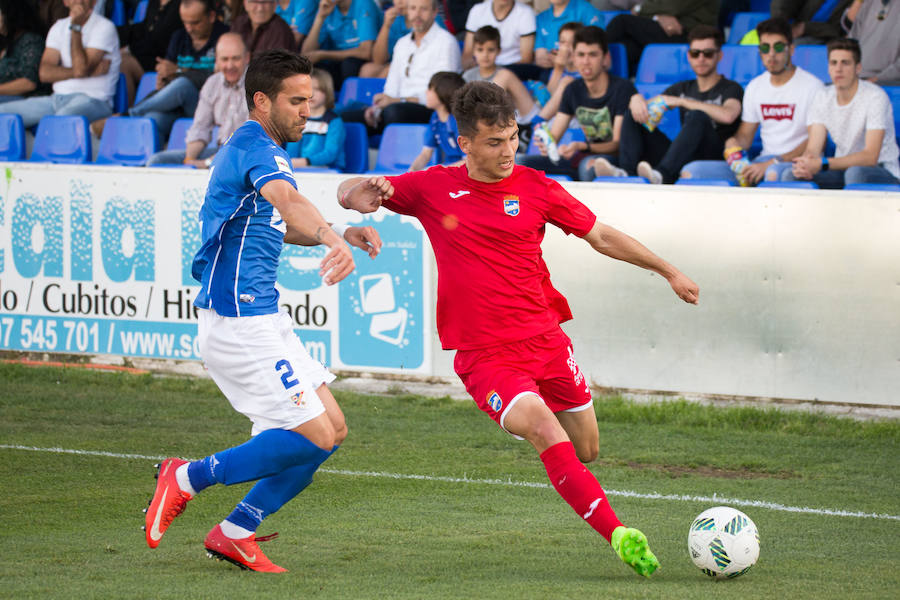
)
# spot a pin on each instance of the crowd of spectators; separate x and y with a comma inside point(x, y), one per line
point(67, 57)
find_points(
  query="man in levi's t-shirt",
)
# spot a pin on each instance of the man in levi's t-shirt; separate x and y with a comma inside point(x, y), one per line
point(775, 102)
point(496, 305)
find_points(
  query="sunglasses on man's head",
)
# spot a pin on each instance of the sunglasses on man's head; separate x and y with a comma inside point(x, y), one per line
point(707, 52)
point(777, 46)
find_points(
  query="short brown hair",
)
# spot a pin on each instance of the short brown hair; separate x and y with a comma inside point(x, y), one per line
point(488, 33)
point(326, 84)
point(776, 26)
point(445, 84)
point(482, 101)
point(707, 32)
point(848, 44)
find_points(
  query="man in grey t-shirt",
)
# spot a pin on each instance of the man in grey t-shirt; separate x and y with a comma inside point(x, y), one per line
point(858, 116)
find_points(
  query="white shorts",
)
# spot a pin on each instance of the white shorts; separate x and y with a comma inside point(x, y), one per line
point(262, 368)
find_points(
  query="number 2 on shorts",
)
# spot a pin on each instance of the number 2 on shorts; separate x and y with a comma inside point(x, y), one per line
point(286, 370)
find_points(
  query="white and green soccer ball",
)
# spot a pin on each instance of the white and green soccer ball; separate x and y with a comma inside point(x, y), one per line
point(723, 542)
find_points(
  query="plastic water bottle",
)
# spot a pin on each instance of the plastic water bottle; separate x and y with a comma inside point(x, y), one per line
point(543, 134)
point(737, 160)
point(657, 107)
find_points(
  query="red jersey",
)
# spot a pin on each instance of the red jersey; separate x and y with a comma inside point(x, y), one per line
point(493, 284)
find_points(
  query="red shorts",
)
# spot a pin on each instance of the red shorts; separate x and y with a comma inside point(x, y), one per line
point(545, 365)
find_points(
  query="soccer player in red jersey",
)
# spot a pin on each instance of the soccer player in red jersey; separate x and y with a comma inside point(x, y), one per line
point(496, 306)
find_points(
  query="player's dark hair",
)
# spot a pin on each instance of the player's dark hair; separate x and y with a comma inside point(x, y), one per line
point(482, 102)
point(707, 32)
point(848, 44)
point(488, 33)
point(592, 35)
point(445, 84)
point(573, 26)
point(268, 70)
point(776, 26)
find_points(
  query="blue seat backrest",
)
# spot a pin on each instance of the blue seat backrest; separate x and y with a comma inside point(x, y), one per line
point(146, 86)
point(572, 134)
point(359, 90)
point(356, 148)
point(400, 144)
point(744, 22)
point(618, 60)
point(813, 59)
point(120, 99)
point(62, 139)
point(128, 141)
point(740, 63)
point(664, 63)
point(12, 137)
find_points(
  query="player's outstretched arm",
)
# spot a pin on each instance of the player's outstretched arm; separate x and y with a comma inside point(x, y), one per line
point(615, 244)
point(305, 224)
point(364, 238)
point(364, 194)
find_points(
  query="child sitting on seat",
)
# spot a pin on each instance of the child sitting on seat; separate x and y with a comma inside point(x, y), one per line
point(322, 144)
point(439, 98)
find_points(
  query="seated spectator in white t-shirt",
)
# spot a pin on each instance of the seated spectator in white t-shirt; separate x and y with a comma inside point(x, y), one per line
point(775, 102)
point(858, 116)
point(81, 60)
point(516, 23)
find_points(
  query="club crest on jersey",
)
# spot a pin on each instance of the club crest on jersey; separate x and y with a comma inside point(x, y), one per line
point(511, 205)
point(297, 398)
point(494, 401)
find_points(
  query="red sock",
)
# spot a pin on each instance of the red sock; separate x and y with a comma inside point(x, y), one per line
point(579, 488)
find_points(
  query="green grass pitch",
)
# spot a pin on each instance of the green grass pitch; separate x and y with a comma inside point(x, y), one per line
point(427, 498)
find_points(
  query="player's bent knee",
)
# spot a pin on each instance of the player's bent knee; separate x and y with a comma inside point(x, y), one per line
point(587, 453)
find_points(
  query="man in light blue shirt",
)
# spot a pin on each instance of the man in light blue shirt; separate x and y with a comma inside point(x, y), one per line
point(341, 37)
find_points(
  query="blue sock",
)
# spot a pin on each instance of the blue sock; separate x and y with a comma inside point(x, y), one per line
point(266, 454)
point(271, 493)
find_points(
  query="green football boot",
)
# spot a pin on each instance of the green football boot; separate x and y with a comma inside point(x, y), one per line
point(632, 547)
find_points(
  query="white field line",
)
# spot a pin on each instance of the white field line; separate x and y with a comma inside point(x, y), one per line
point(715, 499)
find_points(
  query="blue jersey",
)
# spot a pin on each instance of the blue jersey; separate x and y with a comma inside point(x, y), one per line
point(360, 24)
point(443, 138)
point(242, 234)
point(548, 26)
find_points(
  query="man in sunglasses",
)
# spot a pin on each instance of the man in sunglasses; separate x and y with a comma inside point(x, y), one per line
point(775, 102)
point(858, 116)
point(710, 111)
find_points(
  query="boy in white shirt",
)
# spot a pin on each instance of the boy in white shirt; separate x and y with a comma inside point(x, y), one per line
point(859, 117)
point(777, 102)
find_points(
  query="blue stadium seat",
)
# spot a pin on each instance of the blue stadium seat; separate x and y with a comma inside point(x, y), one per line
point(140, 11)
point(119, 16)
point(179, 130)
point(874, 187)
point(809, 185)
point(708, 182)
point(629, 179)
point(893, 92)
point(128, 141)
point(664, 63)
point(560, 178)
point(813, 59)
point(359, 90)
point(120, 99)
point(740, 63)
point(400, 145)
point(744, 22)
point(12, 137)
point(570, 135)
point(618, 60)
point(62, 139)
point(356, 148)
point(146, 86)
point(760, 5)
point(608, 15)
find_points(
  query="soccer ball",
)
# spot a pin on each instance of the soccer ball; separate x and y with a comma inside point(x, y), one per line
point(723, 542)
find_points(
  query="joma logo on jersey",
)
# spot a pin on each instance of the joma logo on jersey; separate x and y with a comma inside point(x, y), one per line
point(778, 112)
point(494, 401)
point(511, 205)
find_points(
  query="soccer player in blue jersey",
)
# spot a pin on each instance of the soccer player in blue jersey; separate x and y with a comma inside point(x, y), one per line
point(252, 207)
